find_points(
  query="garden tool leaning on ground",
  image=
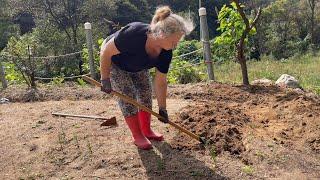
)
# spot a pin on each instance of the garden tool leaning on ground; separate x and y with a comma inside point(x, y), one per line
point(134, 102)
point(106, 121)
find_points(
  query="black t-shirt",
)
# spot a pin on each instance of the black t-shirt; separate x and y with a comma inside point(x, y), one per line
point(130, 41)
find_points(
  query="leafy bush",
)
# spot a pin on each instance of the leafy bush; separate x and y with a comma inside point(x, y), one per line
point(185, 47)
point(183, 72)
point(85, 57)
point(81, 82)
point(12, 75)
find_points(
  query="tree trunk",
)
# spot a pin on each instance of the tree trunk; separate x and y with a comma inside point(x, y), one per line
point(242, 61)
point(33, 81)
point(312, 18)
point(244, 71)
point(240, 47)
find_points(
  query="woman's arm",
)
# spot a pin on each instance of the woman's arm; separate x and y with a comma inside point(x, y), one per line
point(108, 49)
point(160, 87)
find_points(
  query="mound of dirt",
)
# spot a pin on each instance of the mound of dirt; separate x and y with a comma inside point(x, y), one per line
point(219, 124)
point(225, 114)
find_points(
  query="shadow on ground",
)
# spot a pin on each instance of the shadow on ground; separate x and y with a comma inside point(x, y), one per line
point(164, 162)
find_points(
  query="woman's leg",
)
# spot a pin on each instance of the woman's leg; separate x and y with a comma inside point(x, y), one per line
point(142, 84)
point(121, 81)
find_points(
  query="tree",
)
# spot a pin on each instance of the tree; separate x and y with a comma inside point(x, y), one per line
point(283, 29)
point(22, 49)
point(311, 18)
point(7, 27)
point(66, 14)
point(25, 21)
point(235, 28)
point(240, 46)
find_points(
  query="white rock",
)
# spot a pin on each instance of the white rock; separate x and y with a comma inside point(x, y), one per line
point(4, 100)
point(288, 81)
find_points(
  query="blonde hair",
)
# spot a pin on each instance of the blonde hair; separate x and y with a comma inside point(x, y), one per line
point(165, 23)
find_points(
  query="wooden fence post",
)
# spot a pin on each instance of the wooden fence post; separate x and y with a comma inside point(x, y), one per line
point(205, 41)
point(88, 29)
point(3, 75)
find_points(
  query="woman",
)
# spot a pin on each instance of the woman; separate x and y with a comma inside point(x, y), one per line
point(125, 58)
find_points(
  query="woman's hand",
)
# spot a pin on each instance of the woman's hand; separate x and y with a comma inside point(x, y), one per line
point(164, 114)
point(106, 86)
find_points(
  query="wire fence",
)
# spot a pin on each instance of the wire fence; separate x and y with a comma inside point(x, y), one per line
point(45, 68)
point(69, 77)
point(186, 54)
point(41, 57)
point(59, 60)
point(51, 62)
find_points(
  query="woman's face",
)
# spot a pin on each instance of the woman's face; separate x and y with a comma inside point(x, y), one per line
point(170, 42)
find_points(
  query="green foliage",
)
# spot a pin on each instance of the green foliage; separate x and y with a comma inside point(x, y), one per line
point(81, 82)
point(85, 57)
point(57, 81)
point(231, 28)
point(129, 11)
point(7, 29)
point(283, 29)
point(181, 69)
point(53, 39)
point(18, 46)
point(187, 47)
point(21, 48)
point(213, 153)
point(183, 72)
point(12, 75)
point(40, 46)
point(248, 170)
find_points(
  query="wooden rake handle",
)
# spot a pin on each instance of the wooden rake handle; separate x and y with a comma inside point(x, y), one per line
point(132, 101)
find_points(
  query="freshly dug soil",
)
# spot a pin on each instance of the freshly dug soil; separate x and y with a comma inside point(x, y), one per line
point(226, 115)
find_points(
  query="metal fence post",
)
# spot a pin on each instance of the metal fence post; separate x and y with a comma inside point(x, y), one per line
point(205, 41)
point(88, 29)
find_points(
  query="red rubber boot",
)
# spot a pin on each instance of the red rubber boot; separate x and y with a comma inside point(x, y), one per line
point(138, 138)
point(145, 122)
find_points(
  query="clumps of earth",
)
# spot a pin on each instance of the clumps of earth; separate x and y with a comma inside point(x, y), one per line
point(226, 114)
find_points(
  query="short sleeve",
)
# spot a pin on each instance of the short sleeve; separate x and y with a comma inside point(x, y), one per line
point(129, 39)
point(164, 63)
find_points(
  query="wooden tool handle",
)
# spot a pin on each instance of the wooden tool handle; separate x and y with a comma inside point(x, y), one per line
point(79, 116)
point(132, 101)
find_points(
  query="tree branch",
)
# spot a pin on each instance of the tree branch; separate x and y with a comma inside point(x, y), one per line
point(240, 10)
point(48, 7)
point(256, 18)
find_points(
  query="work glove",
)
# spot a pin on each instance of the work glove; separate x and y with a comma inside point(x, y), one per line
point(164, 114)
point(106, 86)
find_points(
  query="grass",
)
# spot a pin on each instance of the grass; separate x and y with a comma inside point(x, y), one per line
point(213, 153)
point(248, 170)
point(196, 173)
point(76, 140)
point(260, 154)
point(160, 165)
point(89, 146)
point(304, 68)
